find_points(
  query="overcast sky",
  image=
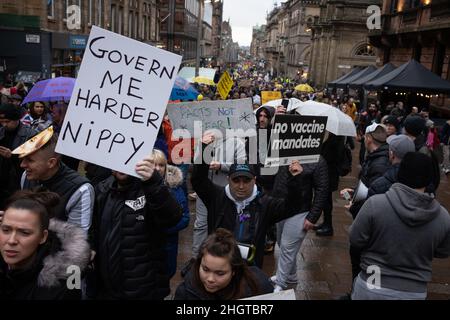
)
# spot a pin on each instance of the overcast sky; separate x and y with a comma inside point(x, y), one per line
point(244, 14)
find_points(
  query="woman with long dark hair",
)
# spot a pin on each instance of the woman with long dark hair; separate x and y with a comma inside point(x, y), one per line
point(39, 254)
point(220, 272)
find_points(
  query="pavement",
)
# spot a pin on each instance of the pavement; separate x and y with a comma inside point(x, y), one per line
point(323, 263)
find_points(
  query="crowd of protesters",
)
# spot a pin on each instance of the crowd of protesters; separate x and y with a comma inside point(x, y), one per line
point(121, 232)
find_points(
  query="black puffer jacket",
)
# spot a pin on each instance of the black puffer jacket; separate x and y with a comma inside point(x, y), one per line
point(188, 291)
point(313, 190)
point(375, 165)
point(384, 183)
point(46, 278)
point(263, 210)
point(130, 238)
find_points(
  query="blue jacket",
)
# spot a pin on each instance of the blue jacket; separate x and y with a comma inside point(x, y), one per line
point(174, 179)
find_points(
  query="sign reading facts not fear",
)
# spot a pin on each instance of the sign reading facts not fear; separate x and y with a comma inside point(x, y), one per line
point(118, 101)
point(226, 117)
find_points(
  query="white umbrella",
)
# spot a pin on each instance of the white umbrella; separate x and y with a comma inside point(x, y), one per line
point(338, 122)
point(293, 103)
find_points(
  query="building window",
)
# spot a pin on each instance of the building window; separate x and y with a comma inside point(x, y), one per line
point(113, 18)
point(99, 15)
point(68, 3)
point(90, 11)
point(438, 59)
point(120, 24)
point(365, 50)
point(393, 8)
point(413, 3)
point(50, 9)
point(136, 24)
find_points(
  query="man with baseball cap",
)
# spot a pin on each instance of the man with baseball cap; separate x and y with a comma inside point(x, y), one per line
point(240, 207)
point(376, 162)
point(399, 146)
point(12, 134)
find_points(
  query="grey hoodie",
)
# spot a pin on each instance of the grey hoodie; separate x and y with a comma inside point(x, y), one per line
point(401, 231)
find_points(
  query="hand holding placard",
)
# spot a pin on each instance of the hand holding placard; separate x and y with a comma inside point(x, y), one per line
point(295, 168)
point(145, 168)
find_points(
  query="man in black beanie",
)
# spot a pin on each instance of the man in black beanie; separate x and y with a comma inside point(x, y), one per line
point(12, 134)
point(392, 125)
point(415, 127)
point(405, 215)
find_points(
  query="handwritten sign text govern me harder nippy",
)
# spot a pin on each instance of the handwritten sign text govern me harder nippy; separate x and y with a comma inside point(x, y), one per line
point(118, 101)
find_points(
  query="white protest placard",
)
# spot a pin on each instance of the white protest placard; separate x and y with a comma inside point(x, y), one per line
point(222, 115)
point(295, 137)
point(118, 101)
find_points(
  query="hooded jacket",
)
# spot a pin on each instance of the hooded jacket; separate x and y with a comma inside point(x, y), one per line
point(46, 280)
point(401, 232)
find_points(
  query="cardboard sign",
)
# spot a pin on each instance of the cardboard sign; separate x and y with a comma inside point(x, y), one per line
point(224, 86)
point(267, 96)
point(118, 101)
point(223, 115)
point(295, 137)
point(245, 83)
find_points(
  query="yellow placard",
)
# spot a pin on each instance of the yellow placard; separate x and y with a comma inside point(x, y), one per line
point(225, 84)
point(267, 96)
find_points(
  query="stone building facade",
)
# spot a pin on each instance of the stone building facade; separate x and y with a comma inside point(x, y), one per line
point(44, 37)
point(340, 40)
point(420, 30)
point(302, 13)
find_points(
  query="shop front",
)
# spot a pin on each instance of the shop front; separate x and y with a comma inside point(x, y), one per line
point(67, 53)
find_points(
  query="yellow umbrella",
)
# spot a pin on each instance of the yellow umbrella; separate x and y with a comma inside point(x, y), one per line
point(204, 80)
point(304, 88)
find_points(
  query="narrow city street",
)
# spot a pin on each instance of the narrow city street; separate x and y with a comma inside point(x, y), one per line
point(324, 270)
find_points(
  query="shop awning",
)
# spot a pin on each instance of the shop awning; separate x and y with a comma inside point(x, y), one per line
point(411, 76)
point(364, 72)
point(373, 76)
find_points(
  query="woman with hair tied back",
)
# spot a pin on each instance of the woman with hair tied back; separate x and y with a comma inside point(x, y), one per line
point(37, 251)
point(220, 273)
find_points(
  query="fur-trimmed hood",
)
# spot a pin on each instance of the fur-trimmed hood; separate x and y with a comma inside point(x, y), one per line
point(174, 176)
point(74, 251)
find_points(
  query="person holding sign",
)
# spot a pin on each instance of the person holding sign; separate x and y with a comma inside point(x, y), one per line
point(240, 207)
point(131, 219)
point(292, 231)
point(220, 273)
